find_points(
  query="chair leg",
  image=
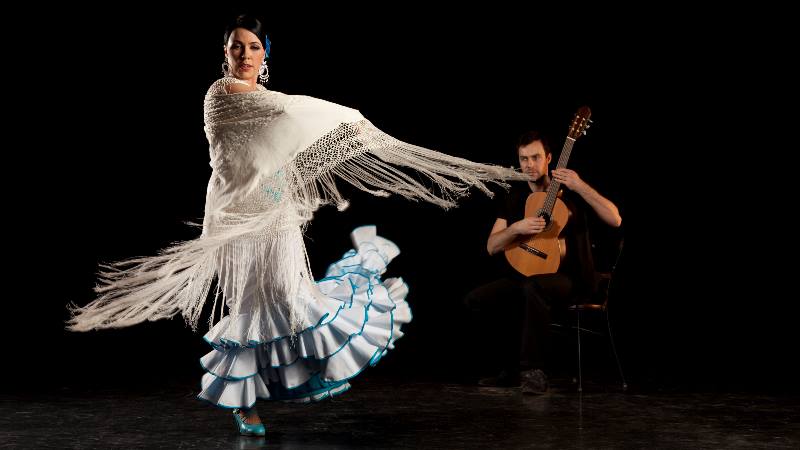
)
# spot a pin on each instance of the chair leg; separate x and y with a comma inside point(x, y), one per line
point(580, 374)
point(616, 356)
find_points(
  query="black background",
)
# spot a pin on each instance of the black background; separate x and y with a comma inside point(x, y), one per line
point(691, 129)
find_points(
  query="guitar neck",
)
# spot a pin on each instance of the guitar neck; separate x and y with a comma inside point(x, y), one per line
point(552, 190)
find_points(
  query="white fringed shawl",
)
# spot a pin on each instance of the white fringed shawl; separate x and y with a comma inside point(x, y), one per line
point(275, 160)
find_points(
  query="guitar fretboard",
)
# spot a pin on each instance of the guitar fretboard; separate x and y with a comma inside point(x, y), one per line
point(552, 190)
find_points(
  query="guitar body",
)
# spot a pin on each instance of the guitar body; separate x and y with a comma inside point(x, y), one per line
point(540, 253)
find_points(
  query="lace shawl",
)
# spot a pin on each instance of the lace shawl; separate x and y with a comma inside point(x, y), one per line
point(275, 159)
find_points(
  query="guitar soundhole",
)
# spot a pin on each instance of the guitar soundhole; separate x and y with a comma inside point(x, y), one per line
point(547, 219)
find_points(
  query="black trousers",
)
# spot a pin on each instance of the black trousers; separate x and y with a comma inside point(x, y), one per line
point(516, 313)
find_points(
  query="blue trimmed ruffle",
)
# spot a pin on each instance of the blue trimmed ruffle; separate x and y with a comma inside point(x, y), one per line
point(357, 321)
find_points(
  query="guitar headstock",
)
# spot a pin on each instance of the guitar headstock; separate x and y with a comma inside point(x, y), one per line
point(580, 122)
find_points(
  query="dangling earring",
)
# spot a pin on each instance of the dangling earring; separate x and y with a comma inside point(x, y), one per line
point(263, 73)
point(225, 69)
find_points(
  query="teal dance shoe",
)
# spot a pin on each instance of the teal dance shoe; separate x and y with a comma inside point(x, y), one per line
point(248, 429)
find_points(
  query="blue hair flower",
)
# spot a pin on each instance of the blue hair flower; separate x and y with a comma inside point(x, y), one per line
point(266, 45)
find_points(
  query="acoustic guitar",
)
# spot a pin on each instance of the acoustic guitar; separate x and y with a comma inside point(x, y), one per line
point(541, 253)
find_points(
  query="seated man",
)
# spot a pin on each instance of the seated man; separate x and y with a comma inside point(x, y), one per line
point(522, 305)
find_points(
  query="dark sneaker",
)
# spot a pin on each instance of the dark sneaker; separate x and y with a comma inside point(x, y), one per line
point(534, 382)
point(504, 379)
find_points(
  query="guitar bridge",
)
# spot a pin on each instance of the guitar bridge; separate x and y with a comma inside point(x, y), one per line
point(533, 251)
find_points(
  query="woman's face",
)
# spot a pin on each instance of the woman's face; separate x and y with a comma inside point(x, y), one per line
point(244, 53)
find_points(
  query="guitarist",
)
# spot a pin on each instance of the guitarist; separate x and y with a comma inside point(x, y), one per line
point(521, 306)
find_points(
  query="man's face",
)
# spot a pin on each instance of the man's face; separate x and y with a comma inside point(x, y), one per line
point(533, 160)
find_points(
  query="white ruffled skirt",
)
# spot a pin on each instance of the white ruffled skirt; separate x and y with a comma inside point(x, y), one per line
point(355, 322)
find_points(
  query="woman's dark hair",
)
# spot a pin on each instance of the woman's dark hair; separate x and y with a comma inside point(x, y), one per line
point(249, 23)
point(532, 136)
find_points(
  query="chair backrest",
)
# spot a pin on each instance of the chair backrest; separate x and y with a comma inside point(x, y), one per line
point(606, 255)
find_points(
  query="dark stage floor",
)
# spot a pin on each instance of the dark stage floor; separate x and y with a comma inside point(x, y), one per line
point(381, 413)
